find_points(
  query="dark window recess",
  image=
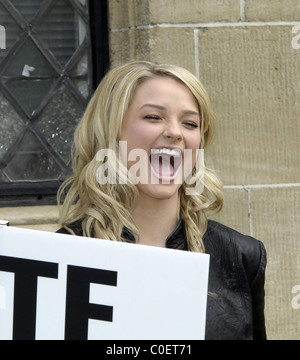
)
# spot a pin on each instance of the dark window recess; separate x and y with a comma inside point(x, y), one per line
point(56, 54)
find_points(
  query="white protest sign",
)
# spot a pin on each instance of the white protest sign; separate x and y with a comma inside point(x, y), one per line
point(55, 286)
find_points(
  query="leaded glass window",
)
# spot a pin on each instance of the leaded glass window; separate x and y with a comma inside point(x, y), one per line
point(45, 83)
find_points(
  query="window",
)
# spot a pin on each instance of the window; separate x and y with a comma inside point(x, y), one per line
point(55, 55)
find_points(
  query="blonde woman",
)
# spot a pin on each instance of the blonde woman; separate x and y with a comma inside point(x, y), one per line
point(139, 176)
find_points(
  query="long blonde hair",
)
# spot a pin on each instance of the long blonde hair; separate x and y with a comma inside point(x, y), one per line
point(105, 209)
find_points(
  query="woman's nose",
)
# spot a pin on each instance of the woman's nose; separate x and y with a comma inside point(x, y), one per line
point(173, 131)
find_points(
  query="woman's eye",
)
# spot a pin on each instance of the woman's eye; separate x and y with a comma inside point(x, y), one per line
point(152, 117)
point(192, 125)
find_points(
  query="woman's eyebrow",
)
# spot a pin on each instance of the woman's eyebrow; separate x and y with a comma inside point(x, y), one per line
point(159, 107)
point(191, 112)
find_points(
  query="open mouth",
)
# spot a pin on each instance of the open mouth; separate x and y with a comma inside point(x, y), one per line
point(165, 163)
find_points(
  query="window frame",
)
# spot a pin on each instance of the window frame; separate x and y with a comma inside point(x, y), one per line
point(44, 193)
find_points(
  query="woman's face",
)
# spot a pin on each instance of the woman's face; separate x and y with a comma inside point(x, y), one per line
point(161, 122)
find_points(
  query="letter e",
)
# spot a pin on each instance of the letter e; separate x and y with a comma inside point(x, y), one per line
point(78, 308)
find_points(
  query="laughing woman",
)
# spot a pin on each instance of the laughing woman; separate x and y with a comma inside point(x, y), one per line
point(153, 119)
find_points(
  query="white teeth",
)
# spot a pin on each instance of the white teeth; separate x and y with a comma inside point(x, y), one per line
point(175, 153)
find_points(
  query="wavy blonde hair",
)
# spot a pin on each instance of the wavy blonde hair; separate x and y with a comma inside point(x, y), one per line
point(105, 209)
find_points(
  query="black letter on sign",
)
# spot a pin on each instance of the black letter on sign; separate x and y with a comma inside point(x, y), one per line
point(78, 308)
point(25, 294)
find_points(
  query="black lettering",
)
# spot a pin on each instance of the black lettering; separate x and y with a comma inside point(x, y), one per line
point(78, 308)
point(25, 292)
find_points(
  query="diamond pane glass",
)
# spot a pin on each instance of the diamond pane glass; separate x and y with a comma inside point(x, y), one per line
point(32, 162)
point(58, 122)
point(82, 3)
point(28, 9)
point(80, 76)
point(3, 179)
point(61, 31)
point(11, 33)
point(29, 76)
point(46, 77)
point(10, 126)
point(68, 172)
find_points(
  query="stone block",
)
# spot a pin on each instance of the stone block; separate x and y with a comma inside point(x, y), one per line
point(235, 210)
point(30, 215)
point(129, 45)
point(127, 13)
point(167, 45)
point(130, 13)
point(193, 11)
point(251, 74)
point(272, 10)
point(276, 221)
point(41, 227)
point(174, 46)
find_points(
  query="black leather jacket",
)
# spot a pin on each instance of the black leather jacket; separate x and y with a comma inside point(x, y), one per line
point(235, 303)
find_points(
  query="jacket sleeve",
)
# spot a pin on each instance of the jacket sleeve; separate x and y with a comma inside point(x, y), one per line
point(254, 260)
point(258, 296)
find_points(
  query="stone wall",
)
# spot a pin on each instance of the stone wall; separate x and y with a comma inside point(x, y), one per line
point(243, 53)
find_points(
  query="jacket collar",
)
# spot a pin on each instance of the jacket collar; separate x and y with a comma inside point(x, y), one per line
point(176, 240)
